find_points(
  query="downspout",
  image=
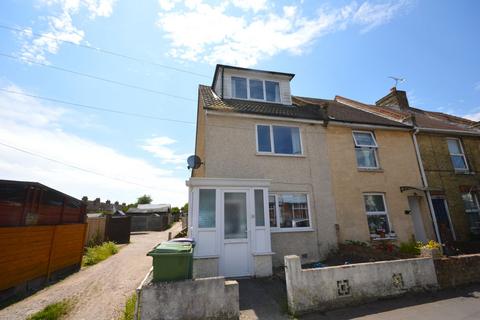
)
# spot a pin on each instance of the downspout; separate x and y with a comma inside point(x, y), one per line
point(223, 69)
point(425, 184)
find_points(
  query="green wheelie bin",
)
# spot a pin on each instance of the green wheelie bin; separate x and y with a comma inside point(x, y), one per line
point(172, 261)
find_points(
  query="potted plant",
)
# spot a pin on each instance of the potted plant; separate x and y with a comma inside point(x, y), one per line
point(431, 249)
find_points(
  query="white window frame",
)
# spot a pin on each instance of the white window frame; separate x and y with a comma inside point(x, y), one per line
point(378, 213)
point(277, 228)
point(458, 154)
point(272, 146)
point(362, 146)
point(264, 90)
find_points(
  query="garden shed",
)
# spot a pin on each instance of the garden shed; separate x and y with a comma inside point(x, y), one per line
point(150, 217)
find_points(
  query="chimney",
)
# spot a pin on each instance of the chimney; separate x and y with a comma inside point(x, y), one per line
point(396, 99)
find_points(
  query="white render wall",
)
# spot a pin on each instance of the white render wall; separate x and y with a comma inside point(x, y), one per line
point(230, 152)
point(333, 287)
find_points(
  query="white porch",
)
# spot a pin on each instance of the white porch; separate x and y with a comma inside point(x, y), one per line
point(229, 221)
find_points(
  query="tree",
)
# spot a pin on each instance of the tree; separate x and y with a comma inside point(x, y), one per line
point(185, 208)
point(175, 210)
point(145, 199)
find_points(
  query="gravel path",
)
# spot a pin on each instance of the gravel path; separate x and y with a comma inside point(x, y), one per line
point(99, 291)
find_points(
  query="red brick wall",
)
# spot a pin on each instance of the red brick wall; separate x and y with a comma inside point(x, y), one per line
point(459, 270)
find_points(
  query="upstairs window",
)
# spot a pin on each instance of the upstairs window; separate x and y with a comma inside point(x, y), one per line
point(256, 89)
point(278, 140)
point(472, 209)
point(239, 88)
point(365, 150)
point(377, 216)
point(457, 155)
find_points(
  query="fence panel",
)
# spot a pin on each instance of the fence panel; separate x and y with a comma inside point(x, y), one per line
point(37, 251)
point(95, 230)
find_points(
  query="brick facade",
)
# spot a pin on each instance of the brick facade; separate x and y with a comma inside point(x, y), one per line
point(457, 271)
point(442, 176)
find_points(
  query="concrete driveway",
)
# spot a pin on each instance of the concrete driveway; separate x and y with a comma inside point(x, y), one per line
point(99, 291)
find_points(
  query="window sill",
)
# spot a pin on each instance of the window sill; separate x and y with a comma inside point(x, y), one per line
point(288, 230)
point(389, 237)
point(370, 169)
point(281, 155)
point(465, 173)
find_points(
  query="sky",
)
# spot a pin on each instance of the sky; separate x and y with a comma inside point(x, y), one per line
point(143, 61)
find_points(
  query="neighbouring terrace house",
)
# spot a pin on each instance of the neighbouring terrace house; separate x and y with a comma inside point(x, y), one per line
point(285, 175)
point(449, 153)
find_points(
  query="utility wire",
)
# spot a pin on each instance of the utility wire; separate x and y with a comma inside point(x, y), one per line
point(72, 166)
point(133, 114)
point(104, 51)
point(132, 86)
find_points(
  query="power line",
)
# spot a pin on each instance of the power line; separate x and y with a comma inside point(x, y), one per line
point(133, 114)
point(72, 166)
point(132, 86)
point(105, 51)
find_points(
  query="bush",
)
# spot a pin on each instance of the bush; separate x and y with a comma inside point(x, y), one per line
point(53, 311)
point(410, 247)
point(99, 253)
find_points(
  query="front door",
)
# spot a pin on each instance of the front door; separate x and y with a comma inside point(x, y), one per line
point(414, 203)
point(236, 257)
point(443, 220)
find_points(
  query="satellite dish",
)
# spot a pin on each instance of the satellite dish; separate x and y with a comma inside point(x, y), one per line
point(194, 162)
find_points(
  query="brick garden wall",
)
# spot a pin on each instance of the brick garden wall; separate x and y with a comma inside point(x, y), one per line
point(459, 270)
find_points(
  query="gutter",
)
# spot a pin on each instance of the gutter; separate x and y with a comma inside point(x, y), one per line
point(425, 184)
point(449, 131)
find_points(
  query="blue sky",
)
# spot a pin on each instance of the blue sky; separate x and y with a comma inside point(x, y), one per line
point(347, 48)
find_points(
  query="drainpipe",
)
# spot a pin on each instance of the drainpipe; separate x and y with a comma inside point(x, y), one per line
point(425, 184)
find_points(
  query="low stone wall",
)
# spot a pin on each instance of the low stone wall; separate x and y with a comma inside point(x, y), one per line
point(333, 287)
point(207, 298)
point(458, 270)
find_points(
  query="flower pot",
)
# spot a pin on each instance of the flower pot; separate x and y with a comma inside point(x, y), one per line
point(435, 253)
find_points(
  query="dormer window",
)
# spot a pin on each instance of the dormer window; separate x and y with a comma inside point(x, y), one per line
point(256, 89)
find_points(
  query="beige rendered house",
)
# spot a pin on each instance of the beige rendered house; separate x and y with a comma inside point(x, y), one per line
point(284, 175)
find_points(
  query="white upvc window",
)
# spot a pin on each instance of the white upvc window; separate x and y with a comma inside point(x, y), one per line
point(365, 149)
point(472, 209)
point(282, 140)
point(289, 211)
point(255, 89)
point(457, 155)
point(377, 215)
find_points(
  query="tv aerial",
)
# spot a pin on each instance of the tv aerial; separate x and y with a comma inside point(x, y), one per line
point(194, 162)
point(397, 80)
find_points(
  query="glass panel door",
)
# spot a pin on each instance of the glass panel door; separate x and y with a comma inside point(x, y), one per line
point(235, 211)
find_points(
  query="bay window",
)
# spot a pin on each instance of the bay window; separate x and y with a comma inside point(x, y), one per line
point(289, 211)
point(377, 217)
point(279, 140)
point(365, 150)
point(457, 155)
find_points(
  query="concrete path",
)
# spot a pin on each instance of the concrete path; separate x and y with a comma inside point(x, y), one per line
point(266, 299)
point(99, 291)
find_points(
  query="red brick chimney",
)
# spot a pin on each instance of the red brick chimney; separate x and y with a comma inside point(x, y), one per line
point(396, 99)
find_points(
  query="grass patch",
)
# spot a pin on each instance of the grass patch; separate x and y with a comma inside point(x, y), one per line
point(53, 311)
point(129, 312)
point(99, 253)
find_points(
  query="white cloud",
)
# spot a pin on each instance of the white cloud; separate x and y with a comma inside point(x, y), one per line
point(60, 27)
point(473, 116)
point(254, 5)
point(199, 31)
point(159, 147)
point(27, 124)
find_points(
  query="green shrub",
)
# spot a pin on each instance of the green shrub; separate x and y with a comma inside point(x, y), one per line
point(99, 253)
point(129, 312)
point(356, 243)
point(410, 247)
point(53, 311)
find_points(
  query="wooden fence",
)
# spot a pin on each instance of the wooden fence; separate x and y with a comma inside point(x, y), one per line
point(95, 231)
point(32, 252)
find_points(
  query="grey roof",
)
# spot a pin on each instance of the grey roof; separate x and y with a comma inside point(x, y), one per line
point(301, 108)
point(150, 208)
